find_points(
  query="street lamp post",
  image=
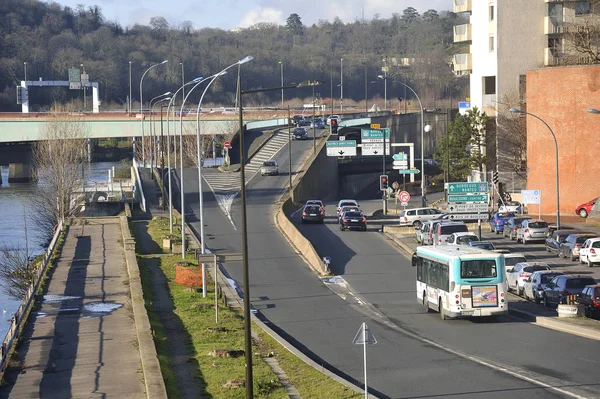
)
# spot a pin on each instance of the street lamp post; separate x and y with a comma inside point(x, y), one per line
point(129, 110)
point(366, 92)
point(152, 125)
point(341, 86)
point(516, 110)
point(142, 107)
point(290, 150)
point(25, 68)
point(246, 279)
point(384, 77)
point(281, 64)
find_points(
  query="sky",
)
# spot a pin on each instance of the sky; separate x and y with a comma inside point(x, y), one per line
point(230, 14)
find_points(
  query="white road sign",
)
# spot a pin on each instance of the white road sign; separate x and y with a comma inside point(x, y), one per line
point(468, 208)
point(469, 216)
point(401, 163)
point(341, 148)
point(374, 148)
point(531, 196)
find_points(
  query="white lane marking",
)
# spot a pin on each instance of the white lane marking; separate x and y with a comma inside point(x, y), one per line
point(295, 212)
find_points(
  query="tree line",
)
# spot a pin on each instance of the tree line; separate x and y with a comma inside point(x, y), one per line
point(51, 38)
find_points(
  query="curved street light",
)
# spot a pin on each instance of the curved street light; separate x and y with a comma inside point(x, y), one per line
point(518, 111)
point(142, 106)
point(152, 124)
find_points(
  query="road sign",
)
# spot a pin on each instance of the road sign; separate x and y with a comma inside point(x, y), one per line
point(74, 75)
point(406, 171)
point(531, 196)
point(399, 157)
point(468, 198)
point(467, 216)
point(224, 257)
point(403, 162)
point(85, 79)
point(342, 138)
point(368, 134)
point(375, 148)
point(341, 148)
point(404, 196)
point(364, 336)
point(466, 188)
point(75, 85)
point(227, 144)
point(375, 126)
point(468, 208)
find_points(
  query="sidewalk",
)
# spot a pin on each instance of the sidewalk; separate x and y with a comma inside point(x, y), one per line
point(81, 340)
point(518, 306)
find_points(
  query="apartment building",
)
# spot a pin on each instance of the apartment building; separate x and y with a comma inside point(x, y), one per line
point(505, 39)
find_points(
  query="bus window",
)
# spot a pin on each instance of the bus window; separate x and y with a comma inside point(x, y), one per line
point(478, 268)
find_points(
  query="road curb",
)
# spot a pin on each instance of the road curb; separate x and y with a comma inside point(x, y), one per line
point(557, 325)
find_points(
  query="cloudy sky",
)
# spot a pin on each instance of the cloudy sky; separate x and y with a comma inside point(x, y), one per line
point(229, 14)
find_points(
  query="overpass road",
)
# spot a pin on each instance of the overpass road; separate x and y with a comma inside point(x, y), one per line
point(411, 358)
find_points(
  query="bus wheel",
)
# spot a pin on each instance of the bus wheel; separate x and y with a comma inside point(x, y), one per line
point(442, 312)
point(426, 303)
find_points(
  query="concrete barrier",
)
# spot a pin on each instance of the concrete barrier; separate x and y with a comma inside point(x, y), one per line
point(304, 247)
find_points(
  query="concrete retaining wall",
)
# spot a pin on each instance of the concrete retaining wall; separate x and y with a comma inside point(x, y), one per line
point(320, 180)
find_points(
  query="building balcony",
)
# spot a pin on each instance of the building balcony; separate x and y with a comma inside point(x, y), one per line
point(552, 27)
point(462, 64)
point(462, 33)
point(462, 6)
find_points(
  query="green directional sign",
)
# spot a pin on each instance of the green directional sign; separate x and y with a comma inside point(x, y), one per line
point(467, 198)
point(468, 187)
point(342, 143)
point(374, 134)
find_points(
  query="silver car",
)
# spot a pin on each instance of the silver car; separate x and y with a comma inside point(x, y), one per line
point(533, 287)
point(532, 230)
point(269, 168)
point(515, 278)
point(417, 216)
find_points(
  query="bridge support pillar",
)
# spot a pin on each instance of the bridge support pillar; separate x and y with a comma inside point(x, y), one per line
point(19, 173)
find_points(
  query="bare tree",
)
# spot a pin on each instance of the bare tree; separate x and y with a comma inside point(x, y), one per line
point(514, 134)
point(16, 272)
point(59, 158)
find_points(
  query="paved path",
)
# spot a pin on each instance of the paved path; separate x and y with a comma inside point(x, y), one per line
point(81, 341)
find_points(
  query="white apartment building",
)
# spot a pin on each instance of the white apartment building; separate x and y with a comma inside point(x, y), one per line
point(505, 39)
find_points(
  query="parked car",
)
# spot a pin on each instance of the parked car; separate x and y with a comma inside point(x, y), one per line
point(515, 278)
point(444, 229)
point(590, 299)
point(512, 225)
point(533, 287)
point(570, 248)
point(497, 221)
point(299, 133)
point(315, 202)
point(487, 245)
point(422, 231)
point(556, 239)
point(590, 252)
point(416, 216)
point(511, 259)
point(461, 238)
point(353, 220)
point(511, 206)
point(426, 231)
point(561, 287)
point(532, 230)
point(345, 202)
point(584, 210)
point(269, 168)
point(313, 213)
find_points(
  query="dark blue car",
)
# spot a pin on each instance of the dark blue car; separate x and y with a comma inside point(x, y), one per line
point(497, 221)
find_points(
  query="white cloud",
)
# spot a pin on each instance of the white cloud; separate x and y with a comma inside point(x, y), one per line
point(261, 14)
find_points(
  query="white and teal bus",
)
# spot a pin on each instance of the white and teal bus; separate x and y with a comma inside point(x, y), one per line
point(460, 281)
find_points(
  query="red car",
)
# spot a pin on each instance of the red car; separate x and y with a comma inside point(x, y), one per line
point(584, 210)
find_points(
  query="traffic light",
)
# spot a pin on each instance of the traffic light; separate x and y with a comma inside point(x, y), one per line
point(383, 182)
point(334, 126)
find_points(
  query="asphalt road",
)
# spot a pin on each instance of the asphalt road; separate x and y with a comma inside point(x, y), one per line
point(404, 363)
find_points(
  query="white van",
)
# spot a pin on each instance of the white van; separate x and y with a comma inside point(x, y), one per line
point(444, 230)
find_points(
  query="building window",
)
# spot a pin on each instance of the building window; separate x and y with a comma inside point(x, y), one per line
point(582, 8)
point(489, 85)
point(491, 43)
point(491, 12)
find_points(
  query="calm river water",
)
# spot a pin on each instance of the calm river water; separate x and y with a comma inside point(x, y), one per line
point(15, 214)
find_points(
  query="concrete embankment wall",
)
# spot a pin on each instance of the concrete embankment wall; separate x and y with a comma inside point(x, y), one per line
point(320, 178)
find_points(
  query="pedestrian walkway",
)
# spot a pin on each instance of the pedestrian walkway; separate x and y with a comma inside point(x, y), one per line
point(81, 341)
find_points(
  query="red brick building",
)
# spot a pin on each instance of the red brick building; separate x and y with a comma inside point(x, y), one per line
point(561, 97)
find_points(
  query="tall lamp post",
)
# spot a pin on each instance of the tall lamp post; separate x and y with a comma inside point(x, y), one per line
point(129, 109)
point(281, 64)
point(152, 126)
point(385, 79)
point(142, 107)
point(246, 279)
point(423, 193)
point(366, 92)
point(153, 129)
point(341, 85)
point(518, 111)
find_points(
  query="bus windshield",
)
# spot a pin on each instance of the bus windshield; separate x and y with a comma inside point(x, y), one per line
point(480, 268)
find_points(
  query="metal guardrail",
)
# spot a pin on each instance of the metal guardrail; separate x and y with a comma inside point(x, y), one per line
point(20, 316)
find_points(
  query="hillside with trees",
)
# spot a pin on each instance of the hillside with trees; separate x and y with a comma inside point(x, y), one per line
point(52, 38)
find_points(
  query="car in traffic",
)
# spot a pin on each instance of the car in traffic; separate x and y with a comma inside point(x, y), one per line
point(590, 252)
point(317, 123)
point(532, 230)
point(313, 213)
point(590, 299)
point(487, 245)
point(585, 209)
point(416, 216)
point(444, 229)
point(515, 278)
point(299, 133)
point(561, 287)
point(554, 241)
point(511, 259)
point(269, 168)
point(315, 202)
point(511, 206)
point(497, 221)
point(461, 238)
point(298, 120)
point(570, 247)
point(533, 287)
point(353, 220)
point(345, 202)
point(512, 225)
point(348, 208)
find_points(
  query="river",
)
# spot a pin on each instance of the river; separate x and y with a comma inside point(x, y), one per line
point(17, 217)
